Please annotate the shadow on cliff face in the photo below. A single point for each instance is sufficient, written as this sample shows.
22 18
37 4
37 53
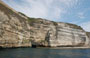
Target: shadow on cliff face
36 44
1 48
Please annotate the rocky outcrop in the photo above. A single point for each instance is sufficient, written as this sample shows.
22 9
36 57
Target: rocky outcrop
60 34
68 35
18 30
14 29
88 34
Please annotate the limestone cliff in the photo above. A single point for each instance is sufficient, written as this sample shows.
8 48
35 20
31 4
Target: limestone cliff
18 30
14 29
88 34
57 34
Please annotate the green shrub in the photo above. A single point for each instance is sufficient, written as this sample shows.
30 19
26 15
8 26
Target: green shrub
21 13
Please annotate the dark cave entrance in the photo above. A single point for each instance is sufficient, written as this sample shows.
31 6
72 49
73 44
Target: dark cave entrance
34 46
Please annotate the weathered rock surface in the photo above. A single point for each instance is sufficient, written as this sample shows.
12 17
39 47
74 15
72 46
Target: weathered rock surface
88 34
54 34
14 29
18 30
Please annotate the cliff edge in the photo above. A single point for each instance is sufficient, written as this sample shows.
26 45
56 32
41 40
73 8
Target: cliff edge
18 30
14 29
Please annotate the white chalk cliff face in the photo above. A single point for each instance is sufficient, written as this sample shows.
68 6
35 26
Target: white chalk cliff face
18 30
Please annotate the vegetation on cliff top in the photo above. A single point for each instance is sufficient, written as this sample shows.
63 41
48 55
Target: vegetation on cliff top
36 20
74 26
9 12
22 14
6 10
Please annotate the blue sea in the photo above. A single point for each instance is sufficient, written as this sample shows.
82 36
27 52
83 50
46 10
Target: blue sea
44 53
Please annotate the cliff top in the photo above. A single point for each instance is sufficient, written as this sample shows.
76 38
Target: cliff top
10 12
1 2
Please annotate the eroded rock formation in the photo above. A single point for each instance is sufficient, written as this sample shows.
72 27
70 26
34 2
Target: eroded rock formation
60 34
14 29
18 30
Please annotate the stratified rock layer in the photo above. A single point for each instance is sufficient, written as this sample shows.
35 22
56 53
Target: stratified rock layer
18 30
68 35
60 34
88 34
14 29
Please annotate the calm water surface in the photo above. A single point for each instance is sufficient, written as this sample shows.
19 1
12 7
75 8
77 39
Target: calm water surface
44 53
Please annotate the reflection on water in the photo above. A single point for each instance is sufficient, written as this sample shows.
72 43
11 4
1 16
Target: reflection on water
44 53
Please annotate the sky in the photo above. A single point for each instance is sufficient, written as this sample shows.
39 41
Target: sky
69 11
